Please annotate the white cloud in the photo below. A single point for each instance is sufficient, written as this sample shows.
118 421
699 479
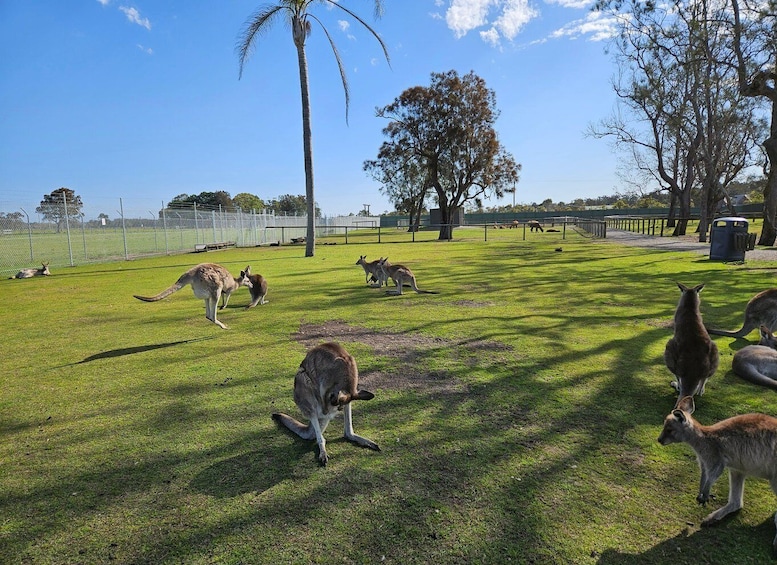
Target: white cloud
344 25
104 2
134 16
572 3
146 50
596 26
510 16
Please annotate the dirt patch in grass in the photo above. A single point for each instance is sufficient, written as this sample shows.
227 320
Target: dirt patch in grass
404 349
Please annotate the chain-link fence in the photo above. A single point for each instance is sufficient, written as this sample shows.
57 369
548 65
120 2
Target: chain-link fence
30 236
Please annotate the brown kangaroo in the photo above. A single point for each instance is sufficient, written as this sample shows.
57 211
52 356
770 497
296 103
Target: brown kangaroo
401 276
746 445
758 363
325 384
534 225
29 273
210 282
761 310
258 288
690 354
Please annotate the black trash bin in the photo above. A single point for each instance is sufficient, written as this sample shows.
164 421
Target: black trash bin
726 237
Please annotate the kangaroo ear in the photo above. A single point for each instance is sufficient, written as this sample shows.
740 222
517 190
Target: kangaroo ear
363 395
686 405
698 288
679 415
765 333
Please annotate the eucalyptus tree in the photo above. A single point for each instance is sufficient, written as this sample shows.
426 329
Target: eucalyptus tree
678 85
448 130
754 41
403 180
298 15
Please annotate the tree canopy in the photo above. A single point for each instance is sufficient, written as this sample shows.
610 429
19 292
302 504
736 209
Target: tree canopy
446 130
62 204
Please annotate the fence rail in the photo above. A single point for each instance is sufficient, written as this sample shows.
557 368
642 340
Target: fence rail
27 244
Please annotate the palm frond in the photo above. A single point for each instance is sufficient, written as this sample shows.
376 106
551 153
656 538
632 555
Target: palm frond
255 25
366 25
343 76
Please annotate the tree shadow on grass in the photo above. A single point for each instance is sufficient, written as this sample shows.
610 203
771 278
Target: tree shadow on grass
705 545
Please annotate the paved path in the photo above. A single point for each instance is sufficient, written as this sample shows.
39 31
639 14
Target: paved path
682 243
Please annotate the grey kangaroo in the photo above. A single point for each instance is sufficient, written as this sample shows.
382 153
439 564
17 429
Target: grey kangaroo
373 273
758 363
746 445
761 310
258 288
29 273
534 225
401 276
690 354
325 384
210 282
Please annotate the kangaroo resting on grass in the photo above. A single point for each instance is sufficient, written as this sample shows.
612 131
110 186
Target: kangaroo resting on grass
29 273
210 282
325 384
761 310
746 445
690 354
373 273
258 288
758 363
401 276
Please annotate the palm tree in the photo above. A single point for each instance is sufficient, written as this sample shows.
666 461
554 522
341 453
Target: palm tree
298 15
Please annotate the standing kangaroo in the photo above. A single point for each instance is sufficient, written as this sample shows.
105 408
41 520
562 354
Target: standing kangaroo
690 354
401 275
746 445
210 282
761 310
29 273
372 271
325 384
258 288
758 363
534 225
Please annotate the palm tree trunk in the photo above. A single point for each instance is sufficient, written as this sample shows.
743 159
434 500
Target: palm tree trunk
307 141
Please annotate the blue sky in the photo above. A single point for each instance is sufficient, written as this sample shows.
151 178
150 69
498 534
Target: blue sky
140 100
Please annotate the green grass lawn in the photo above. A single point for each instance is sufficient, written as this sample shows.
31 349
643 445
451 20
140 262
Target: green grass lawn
517 411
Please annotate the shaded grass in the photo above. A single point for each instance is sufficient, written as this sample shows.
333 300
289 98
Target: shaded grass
141 433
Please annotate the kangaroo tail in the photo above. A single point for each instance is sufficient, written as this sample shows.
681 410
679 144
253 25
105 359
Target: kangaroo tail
164 294
305 431
742 332
426 291
757 378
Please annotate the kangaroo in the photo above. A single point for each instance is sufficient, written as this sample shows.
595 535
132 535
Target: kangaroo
690 354
325 384
29 273
258 288
372 271
761 310
746 445
758 363
210 282
401 276
534 225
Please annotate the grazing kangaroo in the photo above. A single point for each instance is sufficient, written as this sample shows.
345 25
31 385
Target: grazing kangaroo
373 273
401 276
29 273
746 445
258 288
210 282
761 310
325 384
690 354
534 225
758 363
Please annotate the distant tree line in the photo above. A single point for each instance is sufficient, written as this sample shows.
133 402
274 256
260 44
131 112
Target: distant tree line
284 205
